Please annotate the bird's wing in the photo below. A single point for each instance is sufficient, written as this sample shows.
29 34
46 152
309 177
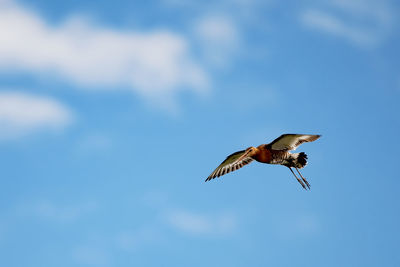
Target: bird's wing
292 141
233 162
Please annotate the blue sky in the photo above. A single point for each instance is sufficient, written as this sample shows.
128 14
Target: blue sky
112 114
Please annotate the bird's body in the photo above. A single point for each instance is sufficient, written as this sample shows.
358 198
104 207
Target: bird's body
263 155
276 152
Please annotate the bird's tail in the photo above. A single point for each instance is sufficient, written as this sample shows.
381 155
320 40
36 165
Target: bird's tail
300 159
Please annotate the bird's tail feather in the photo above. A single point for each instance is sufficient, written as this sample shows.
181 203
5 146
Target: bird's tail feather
300 160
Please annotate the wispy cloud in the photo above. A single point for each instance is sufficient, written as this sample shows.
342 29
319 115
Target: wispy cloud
221 28
135 239
94 144
200 224
244 10
364 23
91 254
54 212
22 114
154 64
331 24
219 37
295 226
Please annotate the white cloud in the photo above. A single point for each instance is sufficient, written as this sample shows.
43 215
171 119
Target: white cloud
331 24
377 10
91 254
133 240
94 144
199 224
365 23
219 37
154 64
243 10
50 211
22 113
295 226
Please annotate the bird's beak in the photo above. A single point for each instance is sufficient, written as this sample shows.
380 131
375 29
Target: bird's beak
248 153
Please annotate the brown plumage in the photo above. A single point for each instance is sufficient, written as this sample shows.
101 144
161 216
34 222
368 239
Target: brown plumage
276 152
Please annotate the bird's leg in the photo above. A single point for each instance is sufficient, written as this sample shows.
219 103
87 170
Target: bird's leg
304 179
298 179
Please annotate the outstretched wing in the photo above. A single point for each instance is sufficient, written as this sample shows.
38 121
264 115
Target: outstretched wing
233 162
292 141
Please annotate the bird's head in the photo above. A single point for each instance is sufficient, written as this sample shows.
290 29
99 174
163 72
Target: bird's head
251 151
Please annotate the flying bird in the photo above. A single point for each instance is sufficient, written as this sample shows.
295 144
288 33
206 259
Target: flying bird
276 152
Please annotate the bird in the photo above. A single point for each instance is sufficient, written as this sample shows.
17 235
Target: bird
276 152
